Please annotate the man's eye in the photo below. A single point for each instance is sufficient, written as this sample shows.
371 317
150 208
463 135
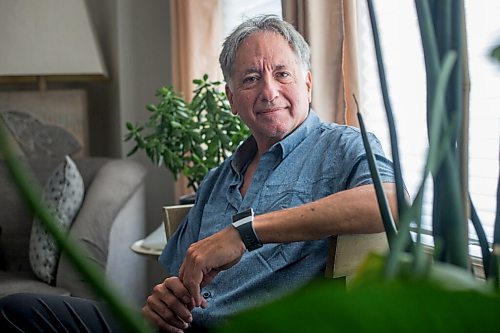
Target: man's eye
250 79
283 75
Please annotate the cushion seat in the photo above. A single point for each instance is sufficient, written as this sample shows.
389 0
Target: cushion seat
26 282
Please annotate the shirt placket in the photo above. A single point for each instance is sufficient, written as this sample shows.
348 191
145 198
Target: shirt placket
265 167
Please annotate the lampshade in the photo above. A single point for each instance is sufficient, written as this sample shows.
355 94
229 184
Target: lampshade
48 38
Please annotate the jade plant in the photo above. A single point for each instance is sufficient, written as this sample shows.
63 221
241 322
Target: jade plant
189 138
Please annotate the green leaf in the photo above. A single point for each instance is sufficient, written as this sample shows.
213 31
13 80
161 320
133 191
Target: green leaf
414 306
483 241
495 53
175 124
128 136
133 151
400 192
387 219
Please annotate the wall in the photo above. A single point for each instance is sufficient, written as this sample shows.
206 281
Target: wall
135 37
135 40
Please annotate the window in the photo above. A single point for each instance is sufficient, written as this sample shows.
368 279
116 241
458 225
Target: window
404 64
236 11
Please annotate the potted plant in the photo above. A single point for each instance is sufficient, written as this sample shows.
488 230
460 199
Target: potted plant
189 138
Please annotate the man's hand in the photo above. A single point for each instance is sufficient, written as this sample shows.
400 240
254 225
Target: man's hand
206 258
169 306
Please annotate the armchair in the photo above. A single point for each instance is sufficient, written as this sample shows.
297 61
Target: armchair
345 252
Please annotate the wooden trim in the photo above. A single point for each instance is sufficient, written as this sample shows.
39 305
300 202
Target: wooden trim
330 260
174 215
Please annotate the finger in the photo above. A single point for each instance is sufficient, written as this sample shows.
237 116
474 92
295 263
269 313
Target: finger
158 321
164 303
191 277
204 302
179 309
175 285
165 312
163 298
161 315
208 277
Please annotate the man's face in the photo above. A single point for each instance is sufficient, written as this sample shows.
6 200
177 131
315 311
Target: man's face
269 88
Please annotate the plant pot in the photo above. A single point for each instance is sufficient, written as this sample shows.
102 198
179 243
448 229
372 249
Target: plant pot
187 199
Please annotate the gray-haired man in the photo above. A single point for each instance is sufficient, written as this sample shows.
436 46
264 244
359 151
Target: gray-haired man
261 220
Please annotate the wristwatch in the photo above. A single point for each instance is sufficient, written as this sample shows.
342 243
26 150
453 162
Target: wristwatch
243 223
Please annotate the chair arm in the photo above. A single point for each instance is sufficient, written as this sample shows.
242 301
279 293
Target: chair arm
346 252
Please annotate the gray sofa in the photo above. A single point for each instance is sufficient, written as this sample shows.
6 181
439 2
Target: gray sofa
111 218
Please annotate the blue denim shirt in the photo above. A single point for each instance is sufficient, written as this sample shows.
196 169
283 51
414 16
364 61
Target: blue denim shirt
314 161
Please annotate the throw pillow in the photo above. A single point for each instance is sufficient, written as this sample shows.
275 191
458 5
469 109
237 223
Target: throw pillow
63 193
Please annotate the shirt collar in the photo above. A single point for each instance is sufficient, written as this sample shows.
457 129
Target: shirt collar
291 141
244 153
249 147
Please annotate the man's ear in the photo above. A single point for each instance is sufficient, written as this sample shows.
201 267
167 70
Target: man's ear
229 95
309 83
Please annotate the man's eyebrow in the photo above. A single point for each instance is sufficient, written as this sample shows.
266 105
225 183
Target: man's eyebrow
253 70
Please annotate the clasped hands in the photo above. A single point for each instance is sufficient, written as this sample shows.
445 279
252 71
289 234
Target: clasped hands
171 302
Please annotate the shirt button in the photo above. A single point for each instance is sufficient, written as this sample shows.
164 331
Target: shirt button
207 295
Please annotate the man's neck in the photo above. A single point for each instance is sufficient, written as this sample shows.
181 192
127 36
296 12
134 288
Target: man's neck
248 175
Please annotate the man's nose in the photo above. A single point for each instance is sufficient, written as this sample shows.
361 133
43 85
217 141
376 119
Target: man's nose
269 89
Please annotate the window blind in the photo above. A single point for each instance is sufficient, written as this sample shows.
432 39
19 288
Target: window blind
404 64
236 11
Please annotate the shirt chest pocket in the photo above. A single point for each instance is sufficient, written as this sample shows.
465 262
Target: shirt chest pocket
214 219
280 196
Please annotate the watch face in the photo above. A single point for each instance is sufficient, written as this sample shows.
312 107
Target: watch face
243 214
243 223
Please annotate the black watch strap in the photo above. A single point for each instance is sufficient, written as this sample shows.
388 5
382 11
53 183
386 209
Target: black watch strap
243 223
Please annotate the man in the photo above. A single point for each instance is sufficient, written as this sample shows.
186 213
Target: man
288 187
304 179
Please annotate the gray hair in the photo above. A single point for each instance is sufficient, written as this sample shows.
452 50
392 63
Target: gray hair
258 24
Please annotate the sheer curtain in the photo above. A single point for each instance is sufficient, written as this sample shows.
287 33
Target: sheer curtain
196 40
329 28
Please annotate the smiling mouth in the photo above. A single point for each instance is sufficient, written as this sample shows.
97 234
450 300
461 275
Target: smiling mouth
269 110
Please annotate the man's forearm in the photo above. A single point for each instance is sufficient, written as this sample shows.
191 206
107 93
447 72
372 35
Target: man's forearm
353 211
348 212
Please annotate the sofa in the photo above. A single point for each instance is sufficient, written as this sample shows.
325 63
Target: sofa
109 219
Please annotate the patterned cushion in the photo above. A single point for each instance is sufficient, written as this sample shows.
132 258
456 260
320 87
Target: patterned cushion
63 194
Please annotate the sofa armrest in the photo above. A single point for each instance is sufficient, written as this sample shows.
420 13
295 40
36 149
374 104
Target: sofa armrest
126 269
114 184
